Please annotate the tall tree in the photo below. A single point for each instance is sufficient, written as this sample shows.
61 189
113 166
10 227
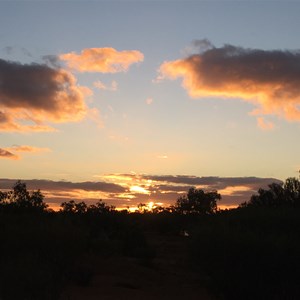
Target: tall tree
197 201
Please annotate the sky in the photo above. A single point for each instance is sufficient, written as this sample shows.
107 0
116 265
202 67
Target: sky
137 101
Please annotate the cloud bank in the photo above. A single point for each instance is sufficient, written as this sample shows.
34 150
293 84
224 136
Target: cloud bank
166 189
128 190
103 60
32 94
268 79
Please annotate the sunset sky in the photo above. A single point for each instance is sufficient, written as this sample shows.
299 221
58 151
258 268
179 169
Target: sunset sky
136 101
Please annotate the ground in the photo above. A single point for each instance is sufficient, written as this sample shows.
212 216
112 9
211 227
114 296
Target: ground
168 276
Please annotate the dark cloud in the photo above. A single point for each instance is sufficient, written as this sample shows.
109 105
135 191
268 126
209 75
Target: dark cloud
212 181
65 185
38 93
202 45
9 50
268 79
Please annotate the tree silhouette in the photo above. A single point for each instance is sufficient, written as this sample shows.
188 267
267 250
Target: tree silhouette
20 198
73 207
68 207
197 201
99 207
284 194
292 191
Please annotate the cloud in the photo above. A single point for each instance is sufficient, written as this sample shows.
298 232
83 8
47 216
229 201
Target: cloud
8 123
94 115
32 94
8 50
6 154
264 125
149 101
198 46
212 182
66 185
103 60
26 148
101 86
268 79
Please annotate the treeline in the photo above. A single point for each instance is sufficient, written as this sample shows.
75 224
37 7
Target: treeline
252 252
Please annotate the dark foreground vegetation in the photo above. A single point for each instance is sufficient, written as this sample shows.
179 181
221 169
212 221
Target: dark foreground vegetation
252 252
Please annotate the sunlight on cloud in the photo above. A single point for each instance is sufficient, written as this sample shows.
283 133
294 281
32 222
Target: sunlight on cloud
264 125
267 79
77 195
4 153
232 190
101 86
118 178
8 152
139 190
26 148
103 60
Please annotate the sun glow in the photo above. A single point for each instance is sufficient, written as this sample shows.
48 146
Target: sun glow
151 205
139 190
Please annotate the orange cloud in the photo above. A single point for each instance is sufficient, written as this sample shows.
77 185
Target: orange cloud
268 79
264 125
26 148
9 151
8 155
103 60
32 94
